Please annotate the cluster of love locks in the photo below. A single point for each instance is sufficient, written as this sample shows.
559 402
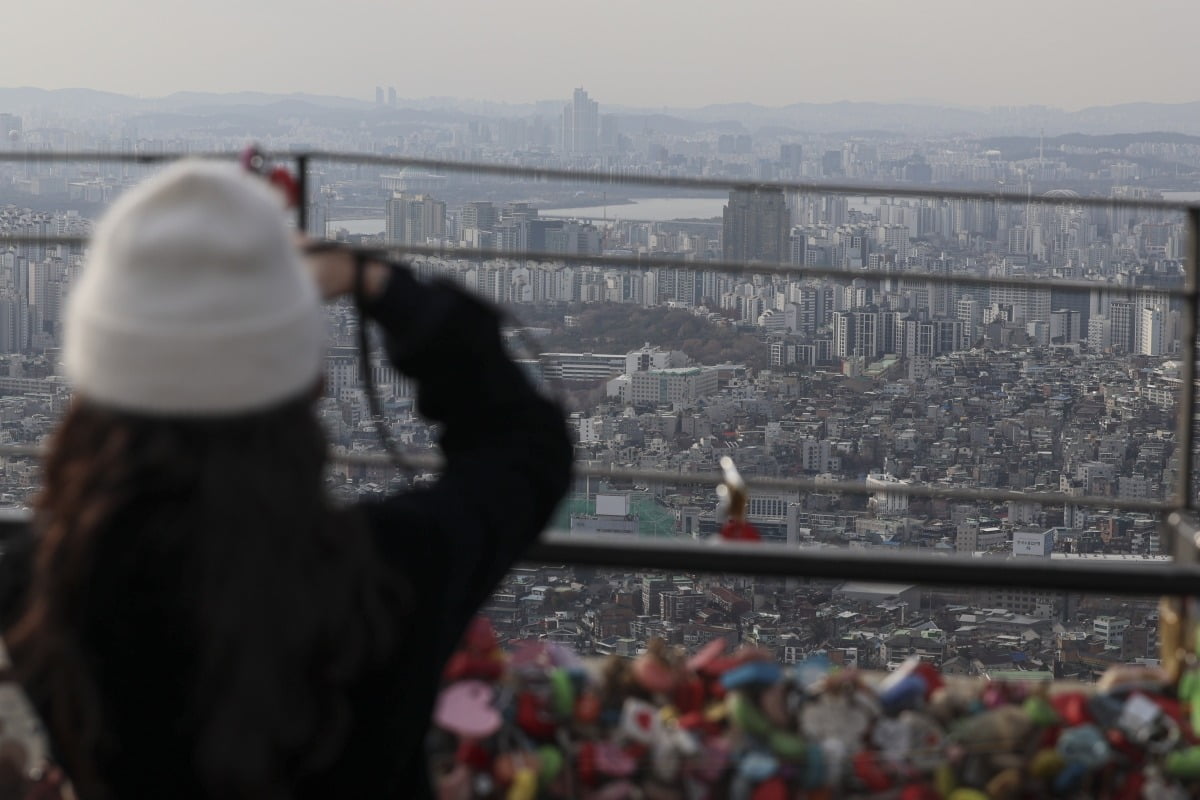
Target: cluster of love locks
538 723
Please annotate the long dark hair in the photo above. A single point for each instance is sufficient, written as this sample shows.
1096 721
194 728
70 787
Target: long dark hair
219 531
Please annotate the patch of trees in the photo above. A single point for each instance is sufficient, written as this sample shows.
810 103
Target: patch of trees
619 328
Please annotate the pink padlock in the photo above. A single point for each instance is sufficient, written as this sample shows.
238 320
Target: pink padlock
465 708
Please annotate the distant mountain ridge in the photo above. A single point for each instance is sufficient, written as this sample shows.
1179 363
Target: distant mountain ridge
801 117
182 100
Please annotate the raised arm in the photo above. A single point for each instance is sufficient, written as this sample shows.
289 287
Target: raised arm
507 452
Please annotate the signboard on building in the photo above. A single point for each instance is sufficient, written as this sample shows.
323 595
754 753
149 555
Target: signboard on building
1038 544
612 505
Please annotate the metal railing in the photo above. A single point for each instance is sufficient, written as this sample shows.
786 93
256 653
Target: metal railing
1180 577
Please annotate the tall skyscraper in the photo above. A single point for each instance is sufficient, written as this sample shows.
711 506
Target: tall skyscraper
581 124
756 226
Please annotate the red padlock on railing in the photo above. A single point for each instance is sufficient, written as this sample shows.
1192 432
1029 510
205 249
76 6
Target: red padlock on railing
253 160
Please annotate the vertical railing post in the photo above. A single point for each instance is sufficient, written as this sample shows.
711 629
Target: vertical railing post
1185 429
1177 615
302 190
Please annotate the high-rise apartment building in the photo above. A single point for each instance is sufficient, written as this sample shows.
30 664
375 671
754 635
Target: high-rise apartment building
480 215
855 333
1029 304
679 286
948 336
756 226
801 315
917 339
1121 314
581 124
894 237
1151 331
569 236
415 218
1065 325
969 312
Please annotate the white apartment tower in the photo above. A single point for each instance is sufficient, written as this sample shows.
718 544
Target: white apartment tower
581 124
1151 331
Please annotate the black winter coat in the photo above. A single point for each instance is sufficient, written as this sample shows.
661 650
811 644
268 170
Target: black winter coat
507 466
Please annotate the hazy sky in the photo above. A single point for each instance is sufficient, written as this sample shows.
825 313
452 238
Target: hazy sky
1068 53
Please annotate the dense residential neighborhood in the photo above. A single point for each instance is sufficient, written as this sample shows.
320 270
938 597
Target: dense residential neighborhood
886 375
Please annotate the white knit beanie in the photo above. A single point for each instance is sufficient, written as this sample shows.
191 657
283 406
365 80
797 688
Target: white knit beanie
194 300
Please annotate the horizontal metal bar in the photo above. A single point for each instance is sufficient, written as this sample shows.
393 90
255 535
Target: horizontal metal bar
774 560
1080 575
47 240
724 184
13 523
109 156
1185 411
855 487
744 268
661 477
602 177
728 267
419 460
433 463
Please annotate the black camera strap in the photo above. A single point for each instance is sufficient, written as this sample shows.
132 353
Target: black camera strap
364 356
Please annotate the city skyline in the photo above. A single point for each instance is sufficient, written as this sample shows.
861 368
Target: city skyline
902 346
954 328
669 54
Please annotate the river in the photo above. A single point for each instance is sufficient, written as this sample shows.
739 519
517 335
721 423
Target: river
357 227
647 209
